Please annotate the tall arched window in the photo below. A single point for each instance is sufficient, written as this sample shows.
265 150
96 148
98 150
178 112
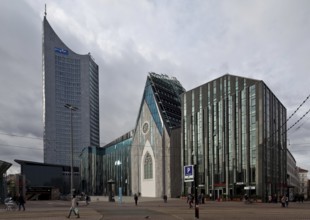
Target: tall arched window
148 167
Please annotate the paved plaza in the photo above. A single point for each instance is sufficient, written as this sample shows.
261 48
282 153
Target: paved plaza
176 209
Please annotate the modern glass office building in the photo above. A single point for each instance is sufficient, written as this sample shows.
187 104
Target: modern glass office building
106 169
116 166
68 78
234 129
91 170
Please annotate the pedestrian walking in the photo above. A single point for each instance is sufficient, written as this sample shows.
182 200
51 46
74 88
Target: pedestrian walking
165 198
275 198
286 200
283 201
269 198
87 199
199 199
191 200
74 208
136 199
21 202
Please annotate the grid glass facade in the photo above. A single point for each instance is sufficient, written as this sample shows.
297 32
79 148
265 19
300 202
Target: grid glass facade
91 171
116 166
234 129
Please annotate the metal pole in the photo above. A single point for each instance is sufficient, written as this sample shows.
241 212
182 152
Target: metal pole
118 171
72 108
212 169
196 190
71 152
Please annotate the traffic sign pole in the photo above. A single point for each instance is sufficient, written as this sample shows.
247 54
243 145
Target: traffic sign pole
196 192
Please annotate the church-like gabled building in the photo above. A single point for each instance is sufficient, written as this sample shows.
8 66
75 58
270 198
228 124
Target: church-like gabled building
155 152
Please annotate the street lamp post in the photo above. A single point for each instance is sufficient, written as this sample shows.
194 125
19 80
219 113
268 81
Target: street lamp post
72 108
118 163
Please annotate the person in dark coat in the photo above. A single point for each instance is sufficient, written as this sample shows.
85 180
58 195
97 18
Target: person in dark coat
136 199
165 198
87 199
21 202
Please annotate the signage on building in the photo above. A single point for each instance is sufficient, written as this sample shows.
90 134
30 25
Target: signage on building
189 173
249 187
61 51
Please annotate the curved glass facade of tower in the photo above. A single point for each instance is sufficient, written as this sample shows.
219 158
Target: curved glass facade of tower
68 78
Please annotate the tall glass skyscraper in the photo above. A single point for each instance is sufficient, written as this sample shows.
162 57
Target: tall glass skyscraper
68 78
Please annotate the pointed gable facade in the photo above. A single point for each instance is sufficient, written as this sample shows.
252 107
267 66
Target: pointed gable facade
155 160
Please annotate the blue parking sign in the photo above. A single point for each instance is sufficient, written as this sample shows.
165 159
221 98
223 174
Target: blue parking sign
189 173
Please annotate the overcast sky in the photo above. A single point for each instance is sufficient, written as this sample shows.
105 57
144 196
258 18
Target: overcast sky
194 40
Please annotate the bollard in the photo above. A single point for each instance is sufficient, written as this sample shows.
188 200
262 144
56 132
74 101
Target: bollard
197 211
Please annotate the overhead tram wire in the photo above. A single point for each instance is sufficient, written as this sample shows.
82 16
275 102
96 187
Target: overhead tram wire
32 148
298 107
291 117
300 117
22 136
38 138
298 120
296 129
295 113
134 155
24 147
